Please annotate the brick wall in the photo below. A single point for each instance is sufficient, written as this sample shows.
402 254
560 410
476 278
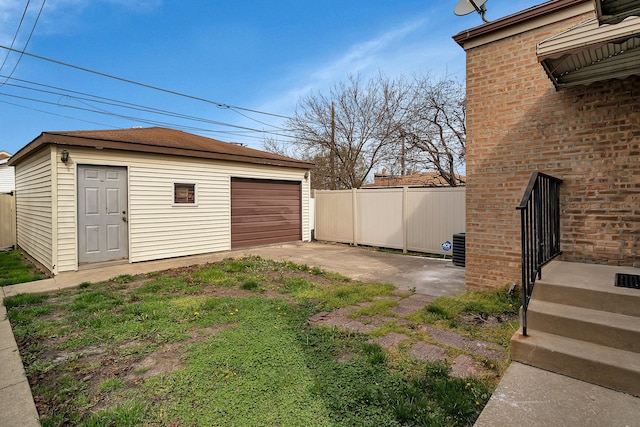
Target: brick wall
518 123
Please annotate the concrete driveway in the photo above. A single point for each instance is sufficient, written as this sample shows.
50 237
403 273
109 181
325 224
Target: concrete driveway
427 275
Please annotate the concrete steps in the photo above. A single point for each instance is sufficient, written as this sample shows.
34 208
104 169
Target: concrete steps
582 326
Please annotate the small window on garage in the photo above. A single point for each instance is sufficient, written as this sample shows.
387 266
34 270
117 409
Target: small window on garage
184 194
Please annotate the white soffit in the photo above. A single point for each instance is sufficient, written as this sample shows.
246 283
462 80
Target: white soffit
590 52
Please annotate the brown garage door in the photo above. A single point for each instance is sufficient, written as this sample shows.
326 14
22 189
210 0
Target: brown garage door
265 211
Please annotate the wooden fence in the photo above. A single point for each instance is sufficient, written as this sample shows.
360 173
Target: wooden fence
7 220
410 219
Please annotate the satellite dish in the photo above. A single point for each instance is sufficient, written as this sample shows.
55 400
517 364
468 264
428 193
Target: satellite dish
465 7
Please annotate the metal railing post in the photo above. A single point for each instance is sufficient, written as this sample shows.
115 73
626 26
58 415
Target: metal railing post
540 232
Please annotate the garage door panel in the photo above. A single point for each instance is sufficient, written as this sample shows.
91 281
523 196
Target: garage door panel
272 236
272 222
266 198
269 210
254 227
265 211
292 205
250 191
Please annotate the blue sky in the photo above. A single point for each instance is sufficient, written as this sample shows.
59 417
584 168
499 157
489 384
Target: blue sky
254 54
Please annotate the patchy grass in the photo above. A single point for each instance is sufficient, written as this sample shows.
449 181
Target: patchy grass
230 344
379 307
15 268
343 294
487 315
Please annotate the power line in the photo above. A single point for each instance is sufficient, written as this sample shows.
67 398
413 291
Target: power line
15 36
87 99
15 66
147 86
56 114
122 104
117 127
122 116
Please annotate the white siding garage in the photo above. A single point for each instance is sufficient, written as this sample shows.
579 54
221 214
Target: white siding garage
178 196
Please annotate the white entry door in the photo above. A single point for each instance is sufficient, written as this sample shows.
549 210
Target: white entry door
102 214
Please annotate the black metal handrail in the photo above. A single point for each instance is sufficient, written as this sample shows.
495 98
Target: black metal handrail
540 223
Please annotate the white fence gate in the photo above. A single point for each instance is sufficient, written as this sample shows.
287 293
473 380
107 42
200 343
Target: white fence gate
410 219
7 220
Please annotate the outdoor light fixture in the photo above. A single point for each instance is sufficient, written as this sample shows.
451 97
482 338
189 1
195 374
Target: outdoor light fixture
306 175
64 157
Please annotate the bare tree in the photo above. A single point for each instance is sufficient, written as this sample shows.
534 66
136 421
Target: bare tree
364 126
436 129
397 124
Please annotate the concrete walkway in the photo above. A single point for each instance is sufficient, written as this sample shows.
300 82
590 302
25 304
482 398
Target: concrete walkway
428 276
532 397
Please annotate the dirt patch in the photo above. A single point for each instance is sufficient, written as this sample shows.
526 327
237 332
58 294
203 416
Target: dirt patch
167 360
486 320
478 347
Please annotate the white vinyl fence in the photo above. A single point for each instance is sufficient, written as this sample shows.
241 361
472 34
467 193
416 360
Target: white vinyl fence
7 220
410 219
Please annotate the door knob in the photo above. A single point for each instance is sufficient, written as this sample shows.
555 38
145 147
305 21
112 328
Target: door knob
124 218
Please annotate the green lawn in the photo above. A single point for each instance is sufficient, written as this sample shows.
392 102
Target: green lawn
14 268
227 344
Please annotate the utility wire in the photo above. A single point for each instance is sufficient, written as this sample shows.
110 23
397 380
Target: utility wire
117 127
62 92
122 116
15 36
15 66
56 114
135 107
172 92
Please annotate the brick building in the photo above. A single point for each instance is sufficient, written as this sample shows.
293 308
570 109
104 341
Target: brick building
556 89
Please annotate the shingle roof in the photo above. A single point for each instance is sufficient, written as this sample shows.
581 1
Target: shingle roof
424 179
161 141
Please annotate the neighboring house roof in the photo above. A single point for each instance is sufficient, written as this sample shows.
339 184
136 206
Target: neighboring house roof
4 157
160 141
423 179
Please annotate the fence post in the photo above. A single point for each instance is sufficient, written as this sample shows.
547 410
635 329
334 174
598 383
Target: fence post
354 209
405 218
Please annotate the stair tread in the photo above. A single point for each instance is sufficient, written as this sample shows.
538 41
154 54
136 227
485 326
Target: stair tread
587 276
628 360
587 315
595 294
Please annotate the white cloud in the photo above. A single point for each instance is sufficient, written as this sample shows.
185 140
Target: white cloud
57 15
404 50
10 12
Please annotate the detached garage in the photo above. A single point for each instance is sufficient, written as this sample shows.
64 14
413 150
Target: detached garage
86 198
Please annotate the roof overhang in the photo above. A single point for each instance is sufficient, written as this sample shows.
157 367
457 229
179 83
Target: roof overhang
614 11
591 52
181 144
